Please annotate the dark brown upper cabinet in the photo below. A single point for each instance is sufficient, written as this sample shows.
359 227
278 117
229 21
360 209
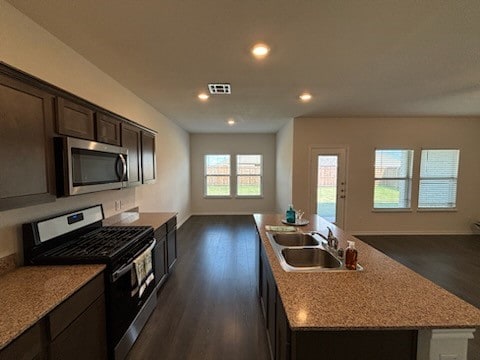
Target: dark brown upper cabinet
26 146
148 158
75 120
107 129
131 139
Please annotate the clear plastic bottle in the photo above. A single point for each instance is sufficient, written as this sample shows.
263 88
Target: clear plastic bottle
351 255
290 215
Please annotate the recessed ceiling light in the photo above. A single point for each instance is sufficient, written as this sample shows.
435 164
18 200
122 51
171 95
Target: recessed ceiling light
231 122
203 96
305 97
260 51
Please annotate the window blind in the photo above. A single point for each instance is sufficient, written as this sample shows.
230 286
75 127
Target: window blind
438 178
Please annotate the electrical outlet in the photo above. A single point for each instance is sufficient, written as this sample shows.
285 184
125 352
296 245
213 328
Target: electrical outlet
118 205
448 357
121 204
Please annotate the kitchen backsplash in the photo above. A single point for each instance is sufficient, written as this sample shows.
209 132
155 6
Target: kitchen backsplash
7 263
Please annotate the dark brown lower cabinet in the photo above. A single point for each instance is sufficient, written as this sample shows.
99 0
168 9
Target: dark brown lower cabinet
268 299
160 253
76 329
171 242
354 344
32 344
282 342
286 344
84 338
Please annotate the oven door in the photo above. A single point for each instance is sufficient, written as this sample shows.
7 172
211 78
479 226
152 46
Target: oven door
124 299
89 166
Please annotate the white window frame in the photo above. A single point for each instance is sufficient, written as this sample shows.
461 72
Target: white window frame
408 180
420 178
206 176
240 175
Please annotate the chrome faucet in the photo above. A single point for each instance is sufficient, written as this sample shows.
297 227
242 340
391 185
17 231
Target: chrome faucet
332 241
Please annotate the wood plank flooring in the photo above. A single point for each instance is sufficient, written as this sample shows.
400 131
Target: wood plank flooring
452 262
208 308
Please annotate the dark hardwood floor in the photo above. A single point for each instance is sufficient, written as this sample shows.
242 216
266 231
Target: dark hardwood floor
452 262
208 308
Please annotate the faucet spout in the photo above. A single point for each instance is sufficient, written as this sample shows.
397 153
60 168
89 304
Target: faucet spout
332 241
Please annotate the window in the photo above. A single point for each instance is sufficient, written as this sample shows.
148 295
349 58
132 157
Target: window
393 178
438 179
217 175
249 175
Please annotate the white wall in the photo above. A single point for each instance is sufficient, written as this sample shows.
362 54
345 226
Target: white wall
203 144
361 136
30 48
284 156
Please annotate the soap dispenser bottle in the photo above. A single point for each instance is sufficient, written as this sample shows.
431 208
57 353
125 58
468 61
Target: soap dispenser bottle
351 256
290 215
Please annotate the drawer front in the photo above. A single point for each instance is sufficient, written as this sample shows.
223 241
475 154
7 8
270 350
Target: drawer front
172 224
61 317
161 232
30 345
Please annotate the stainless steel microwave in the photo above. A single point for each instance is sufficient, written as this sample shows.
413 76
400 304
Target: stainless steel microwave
84 166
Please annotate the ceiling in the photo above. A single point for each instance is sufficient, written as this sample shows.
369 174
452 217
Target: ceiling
356 57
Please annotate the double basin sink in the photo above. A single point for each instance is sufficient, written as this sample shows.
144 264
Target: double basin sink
305 252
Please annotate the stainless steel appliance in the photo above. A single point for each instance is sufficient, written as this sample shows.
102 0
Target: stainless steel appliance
84 166
78 237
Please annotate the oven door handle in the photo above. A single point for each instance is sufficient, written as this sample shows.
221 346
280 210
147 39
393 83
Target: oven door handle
122 271
126 268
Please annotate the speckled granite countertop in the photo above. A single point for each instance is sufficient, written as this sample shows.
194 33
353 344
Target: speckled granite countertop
29 293
386 295
139 219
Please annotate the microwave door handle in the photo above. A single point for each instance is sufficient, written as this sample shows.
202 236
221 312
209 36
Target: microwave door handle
124 167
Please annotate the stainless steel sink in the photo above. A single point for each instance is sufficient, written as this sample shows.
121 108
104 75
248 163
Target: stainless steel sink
310 257
295 239
306 252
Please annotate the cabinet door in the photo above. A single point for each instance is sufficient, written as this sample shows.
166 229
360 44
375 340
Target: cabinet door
85 338
171 243
282 337
32 344
131 140
160 254
263 288
107 129
74 120
148 158
271 311
26 146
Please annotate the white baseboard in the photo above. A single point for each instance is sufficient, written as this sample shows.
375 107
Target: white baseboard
182 221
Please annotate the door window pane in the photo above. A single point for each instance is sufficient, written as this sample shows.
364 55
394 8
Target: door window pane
327 187
393 178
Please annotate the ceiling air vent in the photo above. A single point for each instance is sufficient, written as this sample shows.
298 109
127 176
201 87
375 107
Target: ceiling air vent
219 89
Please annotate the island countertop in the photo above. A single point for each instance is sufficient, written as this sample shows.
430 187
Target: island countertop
385 295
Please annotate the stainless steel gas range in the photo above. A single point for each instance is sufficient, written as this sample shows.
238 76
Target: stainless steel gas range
78 237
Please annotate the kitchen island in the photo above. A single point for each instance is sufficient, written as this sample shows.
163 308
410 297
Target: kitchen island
384 309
